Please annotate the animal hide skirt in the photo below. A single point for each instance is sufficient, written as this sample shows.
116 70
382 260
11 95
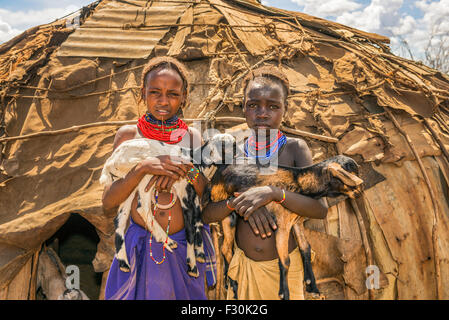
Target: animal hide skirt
167 281
259 280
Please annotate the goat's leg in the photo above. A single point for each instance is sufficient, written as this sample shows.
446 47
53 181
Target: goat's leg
305 250
188 211
219 193
198 243
228 281
234 286
284 293
120 222
215 232
228 225
198 239
285 221
281 236
192 268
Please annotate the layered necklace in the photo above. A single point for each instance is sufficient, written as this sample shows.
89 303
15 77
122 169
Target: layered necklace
264 149
155 199
170 131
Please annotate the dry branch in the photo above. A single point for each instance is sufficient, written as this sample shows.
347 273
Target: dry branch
124 122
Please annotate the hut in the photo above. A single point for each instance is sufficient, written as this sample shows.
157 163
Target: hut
67 86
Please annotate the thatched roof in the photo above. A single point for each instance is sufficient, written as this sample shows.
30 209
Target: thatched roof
65 91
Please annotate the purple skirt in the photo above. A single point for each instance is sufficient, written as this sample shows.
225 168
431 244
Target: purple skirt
167 281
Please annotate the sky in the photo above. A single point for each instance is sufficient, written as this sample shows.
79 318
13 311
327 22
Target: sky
412 21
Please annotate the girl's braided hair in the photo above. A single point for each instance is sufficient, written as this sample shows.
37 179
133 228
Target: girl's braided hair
165 62
268 72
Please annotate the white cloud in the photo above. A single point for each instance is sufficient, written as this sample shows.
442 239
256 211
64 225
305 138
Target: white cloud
406 25
327 8
30 18
6 32
13 23
380 16
433 21
385 17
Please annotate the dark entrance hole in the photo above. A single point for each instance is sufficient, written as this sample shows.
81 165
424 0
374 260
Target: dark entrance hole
76 244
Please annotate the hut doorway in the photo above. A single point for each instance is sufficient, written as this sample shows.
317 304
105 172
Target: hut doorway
76 244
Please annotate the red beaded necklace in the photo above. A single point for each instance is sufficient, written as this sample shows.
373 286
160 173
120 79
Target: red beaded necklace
252 148
263 144
170 131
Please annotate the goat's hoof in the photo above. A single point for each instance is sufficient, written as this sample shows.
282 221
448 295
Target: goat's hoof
172 245
123 266
200 257
284 295
193 272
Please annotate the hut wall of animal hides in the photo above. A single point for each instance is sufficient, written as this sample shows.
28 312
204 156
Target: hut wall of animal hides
65 92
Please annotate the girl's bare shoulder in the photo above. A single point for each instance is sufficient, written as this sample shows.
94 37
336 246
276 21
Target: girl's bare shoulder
126 132
299 149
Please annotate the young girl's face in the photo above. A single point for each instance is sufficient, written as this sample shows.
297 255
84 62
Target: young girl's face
163 93
264 105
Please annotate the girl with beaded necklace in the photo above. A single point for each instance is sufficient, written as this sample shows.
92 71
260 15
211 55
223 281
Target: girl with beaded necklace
254 265
155 273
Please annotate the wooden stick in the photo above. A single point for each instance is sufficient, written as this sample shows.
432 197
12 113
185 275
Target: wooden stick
436 250
365 240
436 137
33 278
309 135
66 130
331 279
441 122
120 123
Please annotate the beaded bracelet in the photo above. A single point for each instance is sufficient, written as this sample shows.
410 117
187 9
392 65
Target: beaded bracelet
229 207
283 197
192 180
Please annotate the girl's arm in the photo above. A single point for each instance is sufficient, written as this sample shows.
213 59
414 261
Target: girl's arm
215 211
254 198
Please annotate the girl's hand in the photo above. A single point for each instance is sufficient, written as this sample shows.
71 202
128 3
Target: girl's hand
262 222
249 201
161 183
173 167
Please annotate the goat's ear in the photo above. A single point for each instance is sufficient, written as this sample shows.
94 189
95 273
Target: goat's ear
347 178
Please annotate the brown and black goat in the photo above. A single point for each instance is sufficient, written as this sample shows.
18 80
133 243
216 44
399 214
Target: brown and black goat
330 178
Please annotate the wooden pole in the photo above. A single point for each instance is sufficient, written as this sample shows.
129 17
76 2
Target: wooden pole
436 250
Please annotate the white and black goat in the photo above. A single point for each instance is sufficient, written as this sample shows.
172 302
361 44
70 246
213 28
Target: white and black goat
123 159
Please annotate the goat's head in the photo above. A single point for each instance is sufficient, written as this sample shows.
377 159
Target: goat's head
220 149
343 177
